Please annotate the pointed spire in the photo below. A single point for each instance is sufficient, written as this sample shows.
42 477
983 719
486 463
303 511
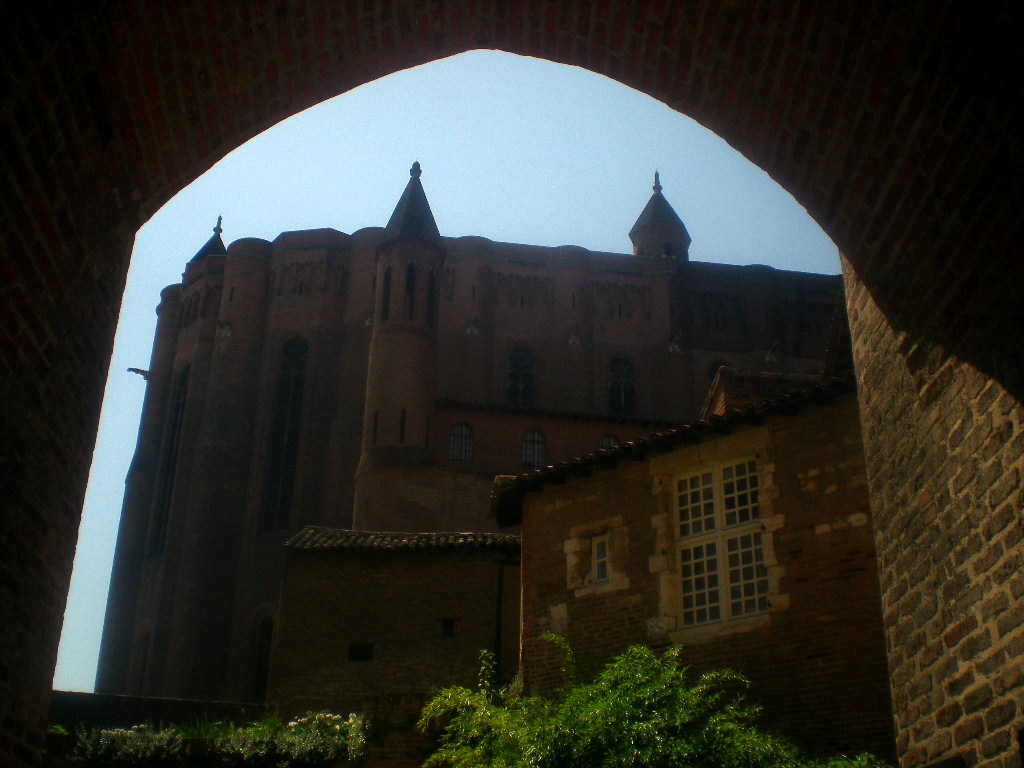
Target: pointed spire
214 246
659 231
412 219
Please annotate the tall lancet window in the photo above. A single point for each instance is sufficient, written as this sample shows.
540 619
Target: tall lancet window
431 298
169 462
284 437
410 291
621 387
385 294
520 377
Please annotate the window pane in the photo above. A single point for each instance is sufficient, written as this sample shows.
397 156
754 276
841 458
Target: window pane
696 504
748 578
740 493
698 573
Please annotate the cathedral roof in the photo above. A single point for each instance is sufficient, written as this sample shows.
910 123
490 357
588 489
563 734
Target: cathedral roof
214 246
658 211
318 539
412 219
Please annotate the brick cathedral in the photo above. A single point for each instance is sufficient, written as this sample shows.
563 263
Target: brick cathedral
378 382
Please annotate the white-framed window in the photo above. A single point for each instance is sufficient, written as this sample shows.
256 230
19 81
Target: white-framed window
721 560
599 557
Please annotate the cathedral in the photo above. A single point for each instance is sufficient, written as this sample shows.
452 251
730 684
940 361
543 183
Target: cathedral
327 386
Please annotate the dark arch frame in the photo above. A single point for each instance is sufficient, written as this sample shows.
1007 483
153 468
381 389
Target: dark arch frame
870 114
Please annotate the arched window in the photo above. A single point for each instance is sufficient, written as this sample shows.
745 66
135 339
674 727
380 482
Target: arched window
621 387
385 294
410 290
169 465
262 643
284 437
460 448
608 441
535 449
520 377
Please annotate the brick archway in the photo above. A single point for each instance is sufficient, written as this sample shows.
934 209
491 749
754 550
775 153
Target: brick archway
897 129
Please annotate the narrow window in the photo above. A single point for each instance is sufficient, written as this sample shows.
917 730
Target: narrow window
401 427
447 627
410 290
432 298
621 387
460 447
231 294
284 437
373 437
520 389
169 465
385 294
261 659
360 651
599 557
534 449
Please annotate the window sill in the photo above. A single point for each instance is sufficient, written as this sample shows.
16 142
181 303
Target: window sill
702 633
602 587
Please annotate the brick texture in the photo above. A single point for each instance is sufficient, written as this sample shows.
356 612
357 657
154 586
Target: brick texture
895 125
816 660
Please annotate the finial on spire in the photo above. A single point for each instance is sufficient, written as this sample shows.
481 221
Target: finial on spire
657 182
218 229
415 171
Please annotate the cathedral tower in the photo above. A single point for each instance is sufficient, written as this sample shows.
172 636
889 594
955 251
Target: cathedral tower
401 379
659 232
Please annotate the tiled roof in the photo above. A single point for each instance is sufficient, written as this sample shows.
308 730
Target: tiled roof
735 389
510 490
313 538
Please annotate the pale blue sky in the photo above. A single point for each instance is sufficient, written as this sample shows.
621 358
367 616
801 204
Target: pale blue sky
512 148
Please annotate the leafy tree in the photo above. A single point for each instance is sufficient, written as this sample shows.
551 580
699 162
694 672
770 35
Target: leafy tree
643 710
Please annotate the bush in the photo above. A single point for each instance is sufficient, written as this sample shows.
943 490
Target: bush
642 710
315 739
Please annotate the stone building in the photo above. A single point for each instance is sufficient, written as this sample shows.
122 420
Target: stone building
745 537
379 381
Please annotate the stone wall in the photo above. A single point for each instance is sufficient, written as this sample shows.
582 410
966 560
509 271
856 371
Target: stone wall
945 454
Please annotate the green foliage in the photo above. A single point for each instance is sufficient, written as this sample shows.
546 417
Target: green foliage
642 710
317 738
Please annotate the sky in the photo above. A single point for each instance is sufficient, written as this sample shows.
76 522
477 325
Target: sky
512 148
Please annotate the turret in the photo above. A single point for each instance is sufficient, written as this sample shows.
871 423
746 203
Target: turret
659 232
401 380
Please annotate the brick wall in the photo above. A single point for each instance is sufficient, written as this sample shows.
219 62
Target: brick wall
396 602
944 450
816 660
